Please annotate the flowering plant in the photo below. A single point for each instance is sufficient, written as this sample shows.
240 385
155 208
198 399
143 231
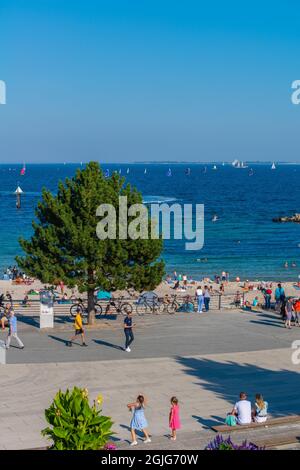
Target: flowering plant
110 446
76 425
219 443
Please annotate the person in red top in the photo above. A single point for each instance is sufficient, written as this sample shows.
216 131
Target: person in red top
297 311
267 295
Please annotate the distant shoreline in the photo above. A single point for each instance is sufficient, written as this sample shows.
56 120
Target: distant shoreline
152 162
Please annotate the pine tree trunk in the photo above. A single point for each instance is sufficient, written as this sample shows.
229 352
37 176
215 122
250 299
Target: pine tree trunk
91 306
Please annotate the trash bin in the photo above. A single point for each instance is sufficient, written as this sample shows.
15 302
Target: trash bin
46 309
2 352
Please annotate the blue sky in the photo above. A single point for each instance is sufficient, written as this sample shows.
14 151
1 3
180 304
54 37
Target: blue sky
149 80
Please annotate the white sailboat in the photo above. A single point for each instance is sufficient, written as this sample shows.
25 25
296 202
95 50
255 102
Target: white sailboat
273 167
145 171
214 167
238 164
127 171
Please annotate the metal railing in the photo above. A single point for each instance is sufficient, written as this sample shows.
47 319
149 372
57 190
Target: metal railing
217 302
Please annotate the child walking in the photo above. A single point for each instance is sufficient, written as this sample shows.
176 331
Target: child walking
78 329
174 419
138 421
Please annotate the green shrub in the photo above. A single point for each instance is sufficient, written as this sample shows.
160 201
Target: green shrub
74 424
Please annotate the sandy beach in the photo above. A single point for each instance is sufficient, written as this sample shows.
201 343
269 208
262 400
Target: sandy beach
18 291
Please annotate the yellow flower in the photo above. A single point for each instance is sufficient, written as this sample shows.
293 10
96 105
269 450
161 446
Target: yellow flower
85 393
99 399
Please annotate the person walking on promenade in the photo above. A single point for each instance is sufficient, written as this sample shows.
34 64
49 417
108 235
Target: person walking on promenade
128 325
267 295
206 298
174 419
199 297
279 297
5 316
288 313
78 329
297 311
138 421
13 333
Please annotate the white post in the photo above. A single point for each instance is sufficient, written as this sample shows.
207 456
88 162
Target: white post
2 352
46 310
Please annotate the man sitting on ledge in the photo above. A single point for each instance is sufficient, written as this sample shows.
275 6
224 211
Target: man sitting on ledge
241 412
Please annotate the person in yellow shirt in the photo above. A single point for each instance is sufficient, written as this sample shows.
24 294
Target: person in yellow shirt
78 329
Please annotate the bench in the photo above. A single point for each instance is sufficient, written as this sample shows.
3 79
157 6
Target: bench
270 422
278 441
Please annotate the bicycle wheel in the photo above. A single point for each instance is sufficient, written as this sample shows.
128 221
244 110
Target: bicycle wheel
74 308
98 309
173 307
140 309
126 308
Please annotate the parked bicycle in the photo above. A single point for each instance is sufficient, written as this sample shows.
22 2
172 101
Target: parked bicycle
2 304
118 306
171 305
80 304
149 302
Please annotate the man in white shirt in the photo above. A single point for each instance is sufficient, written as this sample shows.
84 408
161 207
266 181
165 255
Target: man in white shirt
242 410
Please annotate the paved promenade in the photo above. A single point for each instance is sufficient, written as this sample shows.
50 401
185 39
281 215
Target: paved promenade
156 336
171 356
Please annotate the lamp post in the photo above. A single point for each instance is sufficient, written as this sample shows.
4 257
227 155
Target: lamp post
18 193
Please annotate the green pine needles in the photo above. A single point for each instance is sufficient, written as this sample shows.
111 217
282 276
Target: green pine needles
64 245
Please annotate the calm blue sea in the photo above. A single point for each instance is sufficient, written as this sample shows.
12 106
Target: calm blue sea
244 241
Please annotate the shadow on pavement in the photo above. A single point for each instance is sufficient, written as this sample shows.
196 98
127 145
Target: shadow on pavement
227 379
109 345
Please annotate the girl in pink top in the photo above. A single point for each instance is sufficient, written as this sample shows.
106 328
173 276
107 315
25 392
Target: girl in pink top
174 420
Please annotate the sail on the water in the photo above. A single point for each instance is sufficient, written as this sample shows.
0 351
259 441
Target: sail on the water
145 171
106 174
169 172
273 167
238 164
127 171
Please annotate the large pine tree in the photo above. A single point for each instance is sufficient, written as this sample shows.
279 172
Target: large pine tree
64 245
